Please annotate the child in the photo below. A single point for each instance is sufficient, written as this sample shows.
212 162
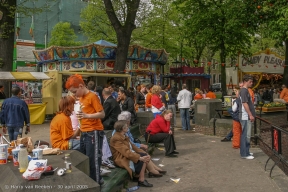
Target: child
237 130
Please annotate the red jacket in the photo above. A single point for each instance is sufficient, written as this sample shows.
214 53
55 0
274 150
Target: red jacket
158 125
156 101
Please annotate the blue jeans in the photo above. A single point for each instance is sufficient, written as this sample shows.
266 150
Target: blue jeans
230 135
245 138
13 133
185 118
157 113
87 147
74 144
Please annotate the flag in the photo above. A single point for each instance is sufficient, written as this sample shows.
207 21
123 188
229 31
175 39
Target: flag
31 30
17 26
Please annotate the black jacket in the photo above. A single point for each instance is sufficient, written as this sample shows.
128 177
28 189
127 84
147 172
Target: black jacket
128 105
140 99
112 110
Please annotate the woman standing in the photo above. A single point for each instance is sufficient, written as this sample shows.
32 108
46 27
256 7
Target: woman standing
140 98
156 102
159 130
127 104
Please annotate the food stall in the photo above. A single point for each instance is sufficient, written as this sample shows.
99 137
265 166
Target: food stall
37 108
96 62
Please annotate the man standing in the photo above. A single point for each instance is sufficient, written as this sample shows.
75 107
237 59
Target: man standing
164 94
14 113
111 109
2 94
90 116
184 99
246 116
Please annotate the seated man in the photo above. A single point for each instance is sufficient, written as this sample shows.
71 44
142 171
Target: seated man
111 109
61 131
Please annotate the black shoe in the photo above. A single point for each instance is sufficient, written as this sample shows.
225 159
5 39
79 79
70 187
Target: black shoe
162 172
175 152
135 179
171 155
144 184
225 140
154 175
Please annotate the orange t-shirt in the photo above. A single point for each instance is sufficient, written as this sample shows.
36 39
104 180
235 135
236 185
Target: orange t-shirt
284 94
211 95
61 131
91 104
148 100
251 94
198 96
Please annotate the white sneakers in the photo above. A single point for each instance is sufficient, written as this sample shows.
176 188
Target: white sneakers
250 157
108 164
104 172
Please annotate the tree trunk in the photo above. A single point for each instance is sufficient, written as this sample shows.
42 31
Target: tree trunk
122 50
285 74
7 24
223 71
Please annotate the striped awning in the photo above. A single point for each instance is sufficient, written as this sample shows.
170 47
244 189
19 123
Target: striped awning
10 76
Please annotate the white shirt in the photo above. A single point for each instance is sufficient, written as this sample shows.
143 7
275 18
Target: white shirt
184 99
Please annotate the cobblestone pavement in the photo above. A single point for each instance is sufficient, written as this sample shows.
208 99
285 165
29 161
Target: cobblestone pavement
206 164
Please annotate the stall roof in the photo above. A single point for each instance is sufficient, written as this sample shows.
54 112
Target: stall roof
12 76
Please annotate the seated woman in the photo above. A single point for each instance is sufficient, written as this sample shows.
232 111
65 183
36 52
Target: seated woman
61 131
127 155
154 171
159 130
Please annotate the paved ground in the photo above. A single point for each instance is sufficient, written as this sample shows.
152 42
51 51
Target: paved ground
206 164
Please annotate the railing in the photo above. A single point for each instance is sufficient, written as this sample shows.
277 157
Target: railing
276 142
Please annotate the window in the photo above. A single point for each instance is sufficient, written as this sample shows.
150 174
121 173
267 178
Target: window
219 78
193 83
214 78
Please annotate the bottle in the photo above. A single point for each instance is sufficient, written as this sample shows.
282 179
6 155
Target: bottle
67 162
23 159
133 188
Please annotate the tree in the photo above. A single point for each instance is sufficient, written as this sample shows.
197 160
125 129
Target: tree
225 25
275 15
123 26
96 24
63 35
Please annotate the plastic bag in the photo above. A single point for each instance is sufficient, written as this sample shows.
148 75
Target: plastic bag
35 169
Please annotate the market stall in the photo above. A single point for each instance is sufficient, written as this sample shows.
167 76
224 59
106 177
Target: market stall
37 107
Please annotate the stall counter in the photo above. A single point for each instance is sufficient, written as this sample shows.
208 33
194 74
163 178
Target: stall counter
37 113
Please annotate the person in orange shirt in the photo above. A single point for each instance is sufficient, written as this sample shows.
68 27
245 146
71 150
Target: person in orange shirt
251 93
91 127
284 93
61 131
198 94
210 94
148 104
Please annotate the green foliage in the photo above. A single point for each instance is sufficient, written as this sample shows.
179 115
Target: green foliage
96 24
63 35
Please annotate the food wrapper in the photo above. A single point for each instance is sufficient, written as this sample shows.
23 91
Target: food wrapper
78 107
49 151
27 141
35 169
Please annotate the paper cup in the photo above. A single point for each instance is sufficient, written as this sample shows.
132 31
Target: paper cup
15 153
3 153
37 153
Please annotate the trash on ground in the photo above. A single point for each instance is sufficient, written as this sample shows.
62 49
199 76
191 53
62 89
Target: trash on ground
161 149
161 165
175 180
155 159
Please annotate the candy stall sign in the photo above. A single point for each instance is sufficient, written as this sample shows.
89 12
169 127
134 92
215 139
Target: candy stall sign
264 61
